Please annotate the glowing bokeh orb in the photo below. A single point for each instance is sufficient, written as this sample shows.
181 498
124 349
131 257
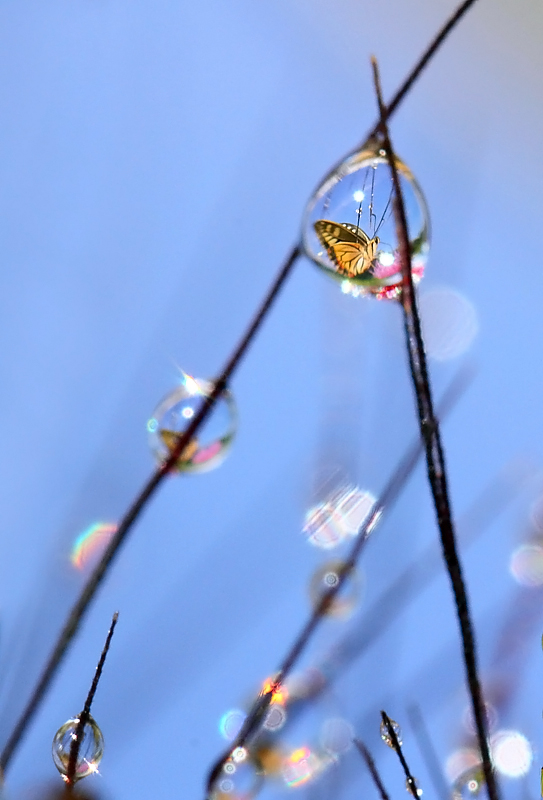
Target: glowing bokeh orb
336 736
526 565
174 413
91 748
349 229
300 767
340 516
449 323
230 724
511 753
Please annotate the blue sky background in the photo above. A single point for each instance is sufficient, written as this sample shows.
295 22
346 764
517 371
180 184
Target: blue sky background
155 161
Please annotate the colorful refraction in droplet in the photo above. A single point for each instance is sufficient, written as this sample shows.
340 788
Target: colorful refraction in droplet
512 753
171 417
300 767
327 577
526 565
385 735
90 752
91 543
349 228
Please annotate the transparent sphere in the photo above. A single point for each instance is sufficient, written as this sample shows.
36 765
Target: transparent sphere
349 228
172 416
385 735
91 748
328 576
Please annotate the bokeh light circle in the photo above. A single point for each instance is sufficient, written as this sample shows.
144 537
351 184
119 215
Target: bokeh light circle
511 753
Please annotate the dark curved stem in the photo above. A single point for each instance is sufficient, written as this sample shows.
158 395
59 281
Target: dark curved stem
132 515
435 458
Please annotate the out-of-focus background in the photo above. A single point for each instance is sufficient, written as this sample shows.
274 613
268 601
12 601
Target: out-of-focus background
155 161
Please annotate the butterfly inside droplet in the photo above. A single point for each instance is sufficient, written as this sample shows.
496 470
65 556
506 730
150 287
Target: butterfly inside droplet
348 246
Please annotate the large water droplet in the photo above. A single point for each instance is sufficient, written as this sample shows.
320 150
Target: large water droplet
349 228
173 415
91 748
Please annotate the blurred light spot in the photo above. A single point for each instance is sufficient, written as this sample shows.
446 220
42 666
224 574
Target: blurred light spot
328 577
239 754
413 782
279 692
526 565
152 425
337 736
386 259
300 767
92 542
339 516
491 718
511 753
358 196
449 322
276 717
323 527
230 724
306 684
460 762
188 412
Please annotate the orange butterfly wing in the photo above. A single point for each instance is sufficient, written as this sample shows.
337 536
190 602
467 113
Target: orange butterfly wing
349 247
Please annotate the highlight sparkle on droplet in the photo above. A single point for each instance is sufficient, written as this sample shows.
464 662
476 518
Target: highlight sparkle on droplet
208 448
90 752
385 735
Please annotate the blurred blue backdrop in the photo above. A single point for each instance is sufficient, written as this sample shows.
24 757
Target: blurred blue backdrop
155 160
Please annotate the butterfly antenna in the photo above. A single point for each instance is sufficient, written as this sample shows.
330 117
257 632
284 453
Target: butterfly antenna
384 214
372 214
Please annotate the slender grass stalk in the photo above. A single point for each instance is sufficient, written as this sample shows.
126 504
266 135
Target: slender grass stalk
82 604
85 714
429 428
411 782
389 495
370 763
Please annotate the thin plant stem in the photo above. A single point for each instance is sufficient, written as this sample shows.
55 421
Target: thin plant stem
89 590
85 714
370 763
389 495
435 459
428 752
411 782
125 526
